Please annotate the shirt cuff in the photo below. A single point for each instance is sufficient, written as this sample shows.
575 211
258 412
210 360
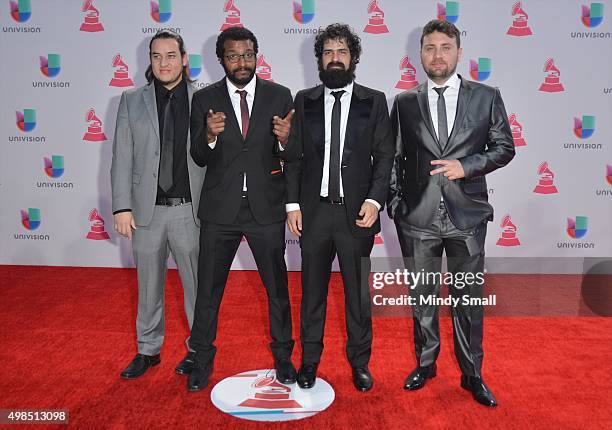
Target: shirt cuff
280 146
290 207
212 144
374 202
122 210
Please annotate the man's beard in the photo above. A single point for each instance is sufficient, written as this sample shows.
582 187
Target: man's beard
240 81
337 78
442 74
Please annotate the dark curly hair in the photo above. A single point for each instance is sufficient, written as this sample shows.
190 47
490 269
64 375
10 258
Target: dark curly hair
338 31
445 27
167 34
235 33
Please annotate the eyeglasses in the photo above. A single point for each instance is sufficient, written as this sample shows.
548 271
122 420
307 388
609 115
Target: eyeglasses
247 57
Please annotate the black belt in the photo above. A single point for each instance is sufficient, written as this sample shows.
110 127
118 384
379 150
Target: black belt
171 201
332 202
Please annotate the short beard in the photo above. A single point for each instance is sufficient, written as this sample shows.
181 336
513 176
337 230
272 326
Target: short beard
242 81
445 76
336 78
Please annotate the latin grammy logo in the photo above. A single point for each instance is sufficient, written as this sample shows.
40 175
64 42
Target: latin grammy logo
519 27
91 22
263 70
552 82
121 77
508 236
378 240
545 184
376 22
517 131
94 129
407 79
96 229
268 393
232 15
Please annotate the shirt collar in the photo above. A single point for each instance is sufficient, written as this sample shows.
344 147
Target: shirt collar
452 82
348 89
249 88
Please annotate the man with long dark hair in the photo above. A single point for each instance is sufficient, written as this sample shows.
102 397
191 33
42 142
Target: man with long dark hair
450 133
238 124
156 188
339 155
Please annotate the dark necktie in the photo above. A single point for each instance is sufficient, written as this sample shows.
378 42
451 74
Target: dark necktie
442 122
333 187
167 153
244 112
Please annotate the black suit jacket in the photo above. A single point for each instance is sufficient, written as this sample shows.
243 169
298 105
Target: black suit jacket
234 156
366 159
480 139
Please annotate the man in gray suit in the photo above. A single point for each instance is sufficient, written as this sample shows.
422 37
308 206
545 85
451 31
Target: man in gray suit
156 190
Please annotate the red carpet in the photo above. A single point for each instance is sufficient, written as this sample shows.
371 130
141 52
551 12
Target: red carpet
66 333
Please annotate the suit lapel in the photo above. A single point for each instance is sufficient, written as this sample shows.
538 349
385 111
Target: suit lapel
463 101
148 95
359 115
314 112
423 99
261 93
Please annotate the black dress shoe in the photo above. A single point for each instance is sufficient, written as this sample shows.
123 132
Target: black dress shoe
479 390
417 379
198 378
186 364
362 379
285 372
307 376
139 365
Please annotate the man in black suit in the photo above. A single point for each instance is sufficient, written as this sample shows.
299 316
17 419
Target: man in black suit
237 126
450 133
340 154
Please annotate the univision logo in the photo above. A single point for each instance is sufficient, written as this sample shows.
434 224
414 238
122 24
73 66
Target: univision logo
161 10
21 11
448 11
608 176
30 220
54 168
50 66
577 228
592 16
480 69
195 65
304 12
26 122
584 128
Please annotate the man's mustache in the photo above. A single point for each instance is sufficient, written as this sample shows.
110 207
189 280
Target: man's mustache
336 64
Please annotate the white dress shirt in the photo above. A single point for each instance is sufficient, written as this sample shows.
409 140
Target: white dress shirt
235 99
451 94
345 105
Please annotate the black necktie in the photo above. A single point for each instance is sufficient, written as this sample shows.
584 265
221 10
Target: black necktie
167 152
333 188
442 123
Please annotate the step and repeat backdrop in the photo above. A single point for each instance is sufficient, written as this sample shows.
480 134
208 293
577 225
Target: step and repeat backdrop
65 64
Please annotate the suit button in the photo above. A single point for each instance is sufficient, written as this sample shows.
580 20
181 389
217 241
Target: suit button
244 150
155 175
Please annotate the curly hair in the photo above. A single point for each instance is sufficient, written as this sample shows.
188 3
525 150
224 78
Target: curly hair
234 33
338 31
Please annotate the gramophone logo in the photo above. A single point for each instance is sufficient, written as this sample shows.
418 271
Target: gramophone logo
546 182
448 11
552 81
54 166
161 10
517 131
592 16
50 65
21 10
96 226
263 70
376 21
232 15
408 77
30 219
121 76
378 239
258 396
519 26
26 120
584 127
91 21
508 235
480 69
577 227
304 11
194 62
94 128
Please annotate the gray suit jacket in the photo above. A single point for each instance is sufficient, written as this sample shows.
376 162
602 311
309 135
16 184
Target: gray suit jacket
136 150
